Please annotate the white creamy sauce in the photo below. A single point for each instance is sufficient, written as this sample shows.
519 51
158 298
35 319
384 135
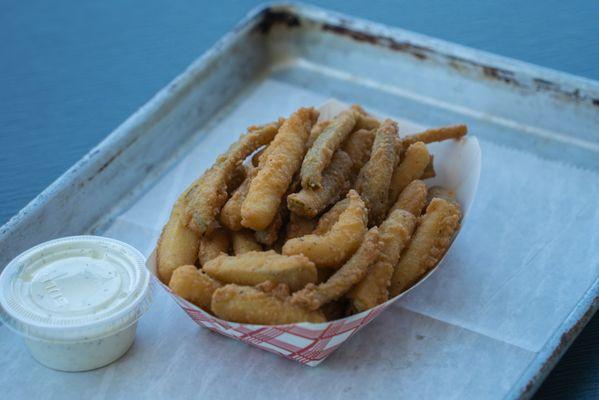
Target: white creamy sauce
76 300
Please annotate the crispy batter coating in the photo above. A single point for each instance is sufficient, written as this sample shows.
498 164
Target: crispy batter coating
299 226
269 235
178 245
310 202
213 244
328 219
412 198
256 267
395 233
411 167
353 271
245 304
244 242
430 241
435 135
230 215
321 152
429 171
358 146
375 177
317 129
208 193
279 290
332 249
364 120
285 155
193 285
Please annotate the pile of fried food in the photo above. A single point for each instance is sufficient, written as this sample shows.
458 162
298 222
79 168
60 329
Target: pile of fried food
325 218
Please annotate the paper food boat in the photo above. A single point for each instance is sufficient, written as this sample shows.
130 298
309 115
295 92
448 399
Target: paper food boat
457 164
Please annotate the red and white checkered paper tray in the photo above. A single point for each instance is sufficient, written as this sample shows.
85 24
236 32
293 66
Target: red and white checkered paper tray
457 164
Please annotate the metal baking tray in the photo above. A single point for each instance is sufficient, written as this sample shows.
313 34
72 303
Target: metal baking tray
521 284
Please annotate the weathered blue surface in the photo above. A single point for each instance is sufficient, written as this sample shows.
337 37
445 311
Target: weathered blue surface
71 72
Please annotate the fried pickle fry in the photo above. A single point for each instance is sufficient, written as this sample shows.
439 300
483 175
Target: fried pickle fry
213 244
245 304
412 199
410 168
285 155
208 193
230 215
328 219
435 135
244 242
364 120
317 129
358 146
395 233
178 245
430 241
299 226
256 267
310 202
353 271
332 249
193 285
270 234
375 177
237 178
321 152
429 172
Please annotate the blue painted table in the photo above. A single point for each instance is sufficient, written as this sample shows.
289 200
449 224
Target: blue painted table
70 72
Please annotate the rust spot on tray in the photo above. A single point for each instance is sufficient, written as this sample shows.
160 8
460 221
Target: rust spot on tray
419 52
271 17
565 341
500 75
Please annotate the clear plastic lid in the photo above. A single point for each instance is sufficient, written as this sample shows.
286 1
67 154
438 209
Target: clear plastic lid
74 288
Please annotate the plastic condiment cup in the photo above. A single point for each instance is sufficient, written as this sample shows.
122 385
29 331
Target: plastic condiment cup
76 300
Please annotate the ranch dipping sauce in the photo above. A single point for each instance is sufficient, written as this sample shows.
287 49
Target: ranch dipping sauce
76 300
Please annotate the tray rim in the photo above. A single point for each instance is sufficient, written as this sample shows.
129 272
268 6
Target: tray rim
564 335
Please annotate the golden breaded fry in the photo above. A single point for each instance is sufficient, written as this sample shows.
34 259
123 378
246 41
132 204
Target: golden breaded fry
375 177
412 199
285 155
193 285
317 129
364 120
330 218
395 233
245 304
435 135
208 193
258 266
230 215
213 244
332 249
237 178
442 193
353 271
299 226
321 152
358 146
178 245
244 242
429 171
430 241
310 202
411 167
269 235
279 290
